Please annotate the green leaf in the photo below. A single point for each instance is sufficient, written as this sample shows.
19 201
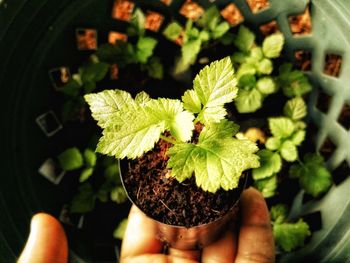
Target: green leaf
298 137
273 143
142 98
289 236
278 213
94 72
227 39
238 58
245 39
267 186
270 163
248 101
210 18
85 174
72 88
204 36
215 85
121 54
70 159
266 85
118 233
220 30
137 23
191 101
118 195
144 48
90 157
247 82
281 127
295 108
143 128
294 83
265 66
173 31
289 151
256 54
313 176
272 45
189 53
246 69
154 68
217 161
84 200
106 106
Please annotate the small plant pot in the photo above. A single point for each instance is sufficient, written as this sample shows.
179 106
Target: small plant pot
194 237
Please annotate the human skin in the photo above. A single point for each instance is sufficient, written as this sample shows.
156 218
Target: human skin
253 242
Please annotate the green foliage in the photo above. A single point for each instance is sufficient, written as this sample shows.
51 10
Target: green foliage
270 163
245 39
313 175
133 126
272 45
289 236
84 201
267 186
70 159
293 82
90 157
295 108
217 160
278 213
173 30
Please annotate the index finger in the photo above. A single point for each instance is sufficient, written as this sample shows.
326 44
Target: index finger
255 241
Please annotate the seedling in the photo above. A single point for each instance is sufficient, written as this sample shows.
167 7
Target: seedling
133 126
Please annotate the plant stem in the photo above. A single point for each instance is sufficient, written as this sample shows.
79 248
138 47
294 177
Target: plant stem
167 139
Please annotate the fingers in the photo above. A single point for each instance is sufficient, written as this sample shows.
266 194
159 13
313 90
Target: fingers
193 255
221 251
47 241
140 236
256 243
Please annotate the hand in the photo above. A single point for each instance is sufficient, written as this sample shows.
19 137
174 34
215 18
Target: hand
253 243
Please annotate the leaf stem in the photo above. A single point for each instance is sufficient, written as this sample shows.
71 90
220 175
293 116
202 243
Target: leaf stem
167 139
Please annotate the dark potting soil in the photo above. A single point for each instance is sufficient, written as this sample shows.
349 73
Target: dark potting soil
162 197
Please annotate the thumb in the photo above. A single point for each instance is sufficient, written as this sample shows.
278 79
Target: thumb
47 242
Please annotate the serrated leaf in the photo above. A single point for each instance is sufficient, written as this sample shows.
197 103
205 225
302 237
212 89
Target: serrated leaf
85 174
248 101
273 143
215 85
118 195
144 48
298 137
137 23
217 162
295 108
265 66
90 157
144 127
223 129
313 176
106 106
142 98
118 233
84 200
70 159
289 236
267 186
191 101
266 85
244 40
289 151
281 127
270 163
272 45
294 84
278 213
256 53
173 31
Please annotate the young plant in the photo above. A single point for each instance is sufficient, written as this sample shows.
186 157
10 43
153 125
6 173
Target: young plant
255 67
131 127
288 235
210 27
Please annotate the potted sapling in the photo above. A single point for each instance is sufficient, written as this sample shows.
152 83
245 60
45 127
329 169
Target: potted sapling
184 166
